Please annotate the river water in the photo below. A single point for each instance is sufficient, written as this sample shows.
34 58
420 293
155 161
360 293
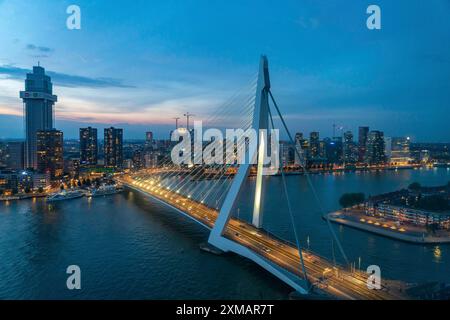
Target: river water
129 247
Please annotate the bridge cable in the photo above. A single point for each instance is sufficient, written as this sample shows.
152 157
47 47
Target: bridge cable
341 249
291 215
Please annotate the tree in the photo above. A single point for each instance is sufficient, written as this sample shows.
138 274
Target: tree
433 203
40 189
351 199
415 186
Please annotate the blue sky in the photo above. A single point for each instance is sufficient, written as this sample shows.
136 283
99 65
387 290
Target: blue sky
137 64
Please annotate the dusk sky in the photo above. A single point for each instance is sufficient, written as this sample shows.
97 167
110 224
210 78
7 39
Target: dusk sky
137 64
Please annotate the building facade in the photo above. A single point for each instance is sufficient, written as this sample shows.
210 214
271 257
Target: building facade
350 154
375 148
38 101
400 151
88 146
409 215
15 155
50 152
113 147
363 136
314 145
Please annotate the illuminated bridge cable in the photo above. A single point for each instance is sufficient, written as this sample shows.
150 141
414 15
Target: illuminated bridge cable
341 249
291 215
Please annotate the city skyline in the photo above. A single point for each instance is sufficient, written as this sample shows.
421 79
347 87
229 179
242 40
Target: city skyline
166 70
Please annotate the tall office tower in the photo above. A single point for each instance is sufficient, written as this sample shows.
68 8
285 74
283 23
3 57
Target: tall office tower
138 159
113 146
400 151
333 150
148 141
88 146
15 155
375 148
149 136
314 145
362 143
50 152
299 160
38 101
349 148
388 149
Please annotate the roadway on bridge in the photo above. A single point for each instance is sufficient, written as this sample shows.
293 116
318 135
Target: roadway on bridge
331 279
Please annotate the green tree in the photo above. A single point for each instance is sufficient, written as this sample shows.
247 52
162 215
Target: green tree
40 189
351 199
415 186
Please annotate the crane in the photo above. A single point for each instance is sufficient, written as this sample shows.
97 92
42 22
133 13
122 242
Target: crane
188 116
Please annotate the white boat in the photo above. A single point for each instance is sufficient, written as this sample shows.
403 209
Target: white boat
64 195
104 191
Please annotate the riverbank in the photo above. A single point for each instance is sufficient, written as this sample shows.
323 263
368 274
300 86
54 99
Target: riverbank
22 196
387 229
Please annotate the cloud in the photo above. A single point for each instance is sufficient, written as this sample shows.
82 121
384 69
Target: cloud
65 80
33 47
308 23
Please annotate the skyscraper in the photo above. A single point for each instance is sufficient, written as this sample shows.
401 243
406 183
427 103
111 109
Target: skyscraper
333 150
88 146
349 148
362 143
299 155
113 146
38 100
149 136
148 141
314 145
15 155
375 148
50 152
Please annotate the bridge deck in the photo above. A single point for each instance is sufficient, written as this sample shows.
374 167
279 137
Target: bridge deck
327 277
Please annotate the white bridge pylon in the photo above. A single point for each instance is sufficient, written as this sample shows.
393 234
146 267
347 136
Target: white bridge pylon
216 238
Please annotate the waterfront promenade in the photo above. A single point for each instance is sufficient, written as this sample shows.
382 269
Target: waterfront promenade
390 229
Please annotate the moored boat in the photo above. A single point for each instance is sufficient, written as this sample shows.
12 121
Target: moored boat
64 195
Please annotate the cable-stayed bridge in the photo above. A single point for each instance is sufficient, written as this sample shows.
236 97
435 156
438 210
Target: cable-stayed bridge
208 191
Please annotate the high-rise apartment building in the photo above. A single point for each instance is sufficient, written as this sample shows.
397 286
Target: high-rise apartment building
88 146
15 155
363 136
113 147
349 148
314 145
375 148
49 146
